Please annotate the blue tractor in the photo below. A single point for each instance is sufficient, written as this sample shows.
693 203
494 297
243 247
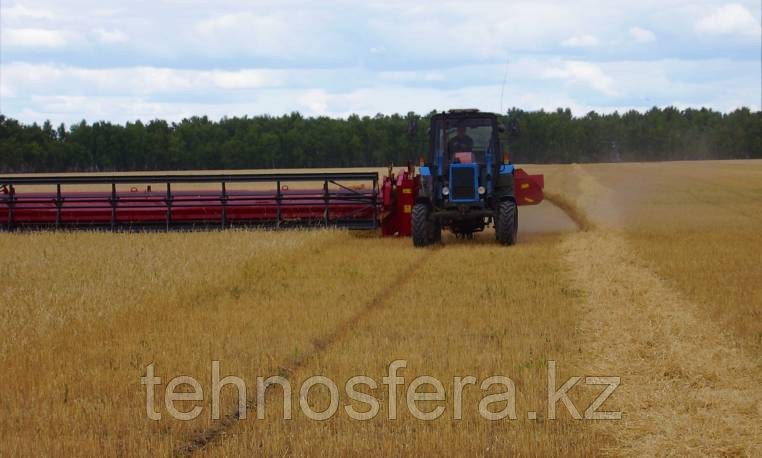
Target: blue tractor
466 182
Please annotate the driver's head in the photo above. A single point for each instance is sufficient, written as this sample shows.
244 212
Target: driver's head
461 131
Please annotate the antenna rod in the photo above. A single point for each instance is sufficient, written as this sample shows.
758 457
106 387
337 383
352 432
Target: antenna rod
502 89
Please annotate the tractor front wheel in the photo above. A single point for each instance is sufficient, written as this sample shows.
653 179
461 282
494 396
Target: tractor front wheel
424 230
506 223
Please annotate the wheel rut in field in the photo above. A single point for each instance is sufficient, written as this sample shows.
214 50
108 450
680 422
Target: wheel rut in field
207 437
685 387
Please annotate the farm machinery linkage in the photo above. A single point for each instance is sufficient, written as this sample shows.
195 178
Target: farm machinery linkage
460 190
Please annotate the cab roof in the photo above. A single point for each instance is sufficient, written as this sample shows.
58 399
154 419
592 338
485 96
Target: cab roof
460 113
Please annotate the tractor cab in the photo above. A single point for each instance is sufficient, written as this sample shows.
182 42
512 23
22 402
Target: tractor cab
463 138
463 151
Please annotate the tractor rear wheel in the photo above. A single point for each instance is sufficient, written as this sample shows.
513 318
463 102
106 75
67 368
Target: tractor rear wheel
422 230
506 223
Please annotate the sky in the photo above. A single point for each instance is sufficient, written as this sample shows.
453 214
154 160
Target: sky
70 60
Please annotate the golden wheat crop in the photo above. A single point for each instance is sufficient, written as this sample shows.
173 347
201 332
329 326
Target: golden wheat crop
660 289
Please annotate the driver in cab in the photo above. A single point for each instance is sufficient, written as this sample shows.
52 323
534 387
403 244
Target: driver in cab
461 147
461 142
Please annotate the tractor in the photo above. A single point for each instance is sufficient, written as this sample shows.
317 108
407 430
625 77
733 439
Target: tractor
466 182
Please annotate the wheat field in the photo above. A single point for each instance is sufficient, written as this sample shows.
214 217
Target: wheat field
645 272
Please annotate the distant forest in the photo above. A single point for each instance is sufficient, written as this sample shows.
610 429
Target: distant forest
297 141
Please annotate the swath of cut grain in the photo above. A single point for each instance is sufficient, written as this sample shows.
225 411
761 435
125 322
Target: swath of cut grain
682 376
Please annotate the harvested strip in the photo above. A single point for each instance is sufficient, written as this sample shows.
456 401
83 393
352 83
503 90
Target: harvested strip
685 388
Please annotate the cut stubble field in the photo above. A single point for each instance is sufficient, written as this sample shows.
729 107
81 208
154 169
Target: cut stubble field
657 283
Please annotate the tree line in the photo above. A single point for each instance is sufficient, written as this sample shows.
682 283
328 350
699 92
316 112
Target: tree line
295 141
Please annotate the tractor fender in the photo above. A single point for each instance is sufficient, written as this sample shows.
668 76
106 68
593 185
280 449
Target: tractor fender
505 188
426 200
426 186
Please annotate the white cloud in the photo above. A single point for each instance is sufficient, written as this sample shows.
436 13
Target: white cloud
5 91
580 41
474 30
585 73
246 79
412 76
19 11
641 35
728 20
110 36
47 78
72 109
32 37
337 57
316 101
285 34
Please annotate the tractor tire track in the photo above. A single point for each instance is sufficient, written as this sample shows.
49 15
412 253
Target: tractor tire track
208 293
686 389
207 437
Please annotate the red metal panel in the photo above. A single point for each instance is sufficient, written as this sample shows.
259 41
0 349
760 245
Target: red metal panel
388 215
528 188
399 196
407 191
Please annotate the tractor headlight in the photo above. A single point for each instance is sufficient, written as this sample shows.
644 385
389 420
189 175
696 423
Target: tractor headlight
445 191
482 190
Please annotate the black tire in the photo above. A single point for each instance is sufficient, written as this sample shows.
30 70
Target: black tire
506 223
435 232
421 226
